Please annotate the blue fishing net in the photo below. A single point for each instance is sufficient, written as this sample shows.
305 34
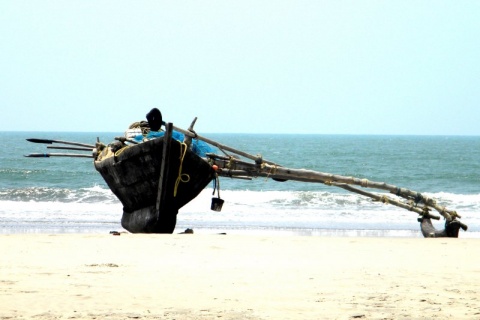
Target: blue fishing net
199 147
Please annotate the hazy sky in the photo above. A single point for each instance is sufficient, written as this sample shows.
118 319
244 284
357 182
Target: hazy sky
330 67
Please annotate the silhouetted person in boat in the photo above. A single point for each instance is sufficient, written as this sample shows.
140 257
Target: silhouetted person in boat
154 118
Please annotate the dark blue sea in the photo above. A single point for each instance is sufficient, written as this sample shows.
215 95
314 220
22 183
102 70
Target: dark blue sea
67 195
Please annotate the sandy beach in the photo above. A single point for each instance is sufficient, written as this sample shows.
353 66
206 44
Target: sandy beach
196 276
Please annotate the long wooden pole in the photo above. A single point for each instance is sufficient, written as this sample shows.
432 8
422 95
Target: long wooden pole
387 200
232 167
191 134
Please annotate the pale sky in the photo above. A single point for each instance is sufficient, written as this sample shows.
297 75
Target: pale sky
327 67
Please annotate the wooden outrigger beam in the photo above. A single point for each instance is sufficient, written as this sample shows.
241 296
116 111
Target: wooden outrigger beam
232 167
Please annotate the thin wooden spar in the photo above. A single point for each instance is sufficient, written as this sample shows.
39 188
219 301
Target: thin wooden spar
192 134
70 148
48 155
50 141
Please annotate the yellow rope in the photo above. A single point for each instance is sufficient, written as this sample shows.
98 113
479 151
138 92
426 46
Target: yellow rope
182 177
230 164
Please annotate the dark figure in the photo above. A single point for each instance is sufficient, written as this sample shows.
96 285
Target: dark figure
154 118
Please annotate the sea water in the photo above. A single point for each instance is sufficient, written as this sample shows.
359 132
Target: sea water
67 195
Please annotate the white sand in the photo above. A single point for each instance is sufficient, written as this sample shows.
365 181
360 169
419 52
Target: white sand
237 277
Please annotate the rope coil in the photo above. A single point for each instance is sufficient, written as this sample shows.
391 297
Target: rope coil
119 152
182 177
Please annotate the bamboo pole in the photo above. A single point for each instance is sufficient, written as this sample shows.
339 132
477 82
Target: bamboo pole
257 159
365 183
388 200
233 167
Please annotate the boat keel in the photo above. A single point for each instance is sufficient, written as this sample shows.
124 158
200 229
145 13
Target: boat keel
145 220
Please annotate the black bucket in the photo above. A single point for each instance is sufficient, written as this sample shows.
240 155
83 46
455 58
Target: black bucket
217 204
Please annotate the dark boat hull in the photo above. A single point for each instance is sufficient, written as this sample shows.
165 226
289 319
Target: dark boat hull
133 176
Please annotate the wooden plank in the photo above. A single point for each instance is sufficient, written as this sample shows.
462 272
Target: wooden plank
163 178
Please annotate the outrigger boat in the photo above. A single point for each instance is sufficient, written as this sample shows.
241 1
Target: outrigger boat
154 173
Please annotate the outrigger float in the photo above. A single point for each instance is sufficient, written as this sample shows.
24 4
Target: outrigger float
154 173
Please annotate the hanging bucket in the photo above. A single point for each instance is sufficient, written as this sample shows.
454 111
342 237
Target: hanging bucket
217 204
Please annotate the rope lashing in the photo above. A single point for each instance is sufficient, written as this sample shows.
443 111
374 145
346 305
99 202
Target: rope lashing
444 210
384 199
365 183
272 171
426 212
454 214
182 177
418 198
231 163
195 135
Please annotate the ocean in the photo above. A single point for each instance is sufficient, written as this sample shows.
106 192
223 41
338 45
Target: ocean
67 195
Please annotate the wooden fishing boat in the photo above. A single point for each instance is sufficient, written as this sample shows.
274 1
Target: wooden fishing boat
154 178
